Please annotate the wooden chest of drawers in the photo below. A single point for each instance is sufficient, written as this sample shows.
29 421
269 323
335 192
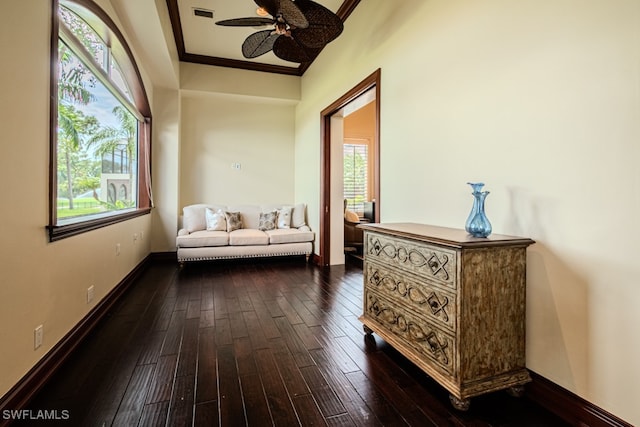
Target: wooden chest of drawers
452 304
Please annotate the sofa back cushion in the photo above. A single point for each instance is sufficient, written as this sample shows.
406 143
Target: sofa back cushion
250 215
194 218
298 215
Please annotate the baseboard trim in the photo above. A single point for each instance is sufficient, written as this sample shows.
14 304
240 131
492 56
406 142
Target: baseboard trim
21 394
569 406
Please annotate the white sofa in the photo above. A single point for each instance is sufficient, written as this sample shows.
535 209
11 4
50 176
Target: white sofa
203 235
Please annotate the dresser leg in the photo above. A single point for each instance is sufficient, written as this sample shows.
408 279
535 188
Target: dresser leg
368 331
516 391
460 404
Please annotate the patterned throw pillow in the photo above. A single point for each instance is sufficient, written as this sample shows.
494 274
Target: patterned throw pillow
234 220
267 221
284 217
216 220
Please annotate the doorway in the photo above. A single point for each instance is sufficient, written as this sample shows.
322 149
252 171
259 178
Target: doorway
332 141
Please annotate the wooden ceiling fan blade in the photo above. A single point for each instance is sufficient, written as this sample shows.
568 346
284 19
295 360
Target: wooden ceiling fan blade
258 43
324 25
246 22
316 36
292 14
289 49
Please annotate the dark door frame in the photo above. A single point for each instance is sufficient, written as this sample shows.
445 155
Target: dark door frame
372 81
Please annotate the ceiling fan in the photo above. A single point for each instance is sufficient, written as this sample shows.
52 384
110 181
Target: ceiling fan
301 29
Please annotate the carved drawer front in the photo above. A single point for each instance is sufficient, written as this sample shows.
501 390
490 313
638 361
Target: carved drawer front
421 297
425 260
413 330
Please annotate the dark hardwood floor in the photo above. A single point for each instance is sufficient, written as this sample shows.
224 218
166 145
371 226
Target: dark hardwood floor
268 342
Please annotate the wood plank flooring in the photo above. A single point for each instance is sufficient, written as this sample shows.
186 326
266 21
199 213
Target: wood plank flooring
267 342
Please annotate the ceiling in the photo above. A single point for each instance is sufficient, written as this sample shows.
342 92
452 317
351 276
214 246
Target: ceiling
200 40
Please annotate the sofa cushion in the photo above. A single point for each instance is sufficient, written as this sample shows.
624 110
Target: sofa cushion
202 238
268 220
248 236
289 235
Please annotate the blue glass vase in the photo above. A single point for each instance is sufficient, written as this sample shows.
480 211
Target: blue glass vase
477 188
480 225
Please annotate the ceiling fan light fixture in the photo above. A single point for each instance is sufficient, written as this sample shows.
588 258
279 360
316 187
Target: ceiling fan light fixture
261 11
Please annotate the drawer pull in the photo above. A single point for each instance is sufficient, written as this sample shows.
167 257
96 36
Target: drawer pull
437 348
438 307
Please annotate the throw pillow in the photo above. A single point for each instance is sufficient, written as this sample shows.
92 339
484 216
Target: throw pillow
284 217
267 221
234 220
351 216
297 215
194 218
216 220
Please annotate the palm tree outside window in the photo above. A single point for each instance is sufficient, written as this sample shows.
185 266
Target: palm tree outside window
102 133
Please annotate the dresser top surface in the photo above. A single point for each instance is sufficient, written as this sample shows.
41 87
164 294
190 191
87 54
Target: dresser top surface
443 235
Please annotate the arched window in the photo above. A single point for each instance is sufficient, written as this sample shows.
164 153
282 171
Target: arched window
101 122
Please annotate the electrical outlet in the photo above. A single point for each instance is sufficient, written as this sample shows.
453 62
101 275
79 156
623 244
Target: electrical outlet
90 290
38 336
236 166
135 237
141 235
117 249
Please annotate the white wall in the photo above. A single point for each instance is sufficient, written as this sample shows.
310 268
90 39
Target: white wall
218 130
42 283
541 101
165 170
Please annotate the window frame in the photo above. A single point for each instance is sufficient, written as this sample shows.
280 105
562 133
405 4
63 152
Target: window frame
366 143
116 43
